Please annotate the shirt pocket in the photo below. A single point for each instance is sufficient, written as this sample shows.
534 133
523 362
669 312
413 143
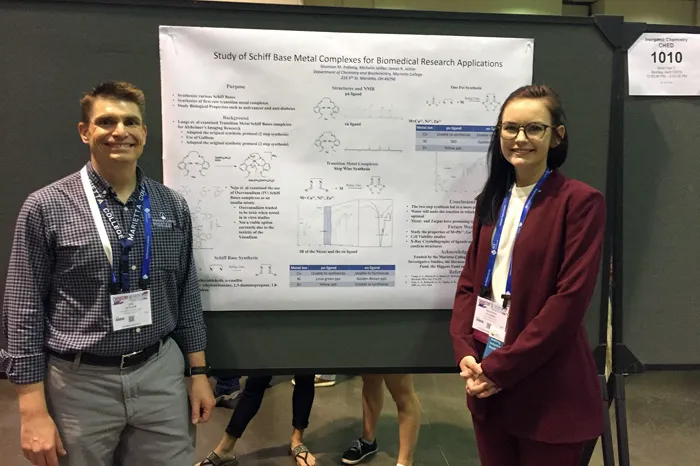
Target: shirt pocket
167 247
79 256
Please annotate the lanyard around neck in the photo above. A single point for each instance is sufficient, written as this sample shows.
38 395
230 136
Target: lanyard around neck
499 231
126 239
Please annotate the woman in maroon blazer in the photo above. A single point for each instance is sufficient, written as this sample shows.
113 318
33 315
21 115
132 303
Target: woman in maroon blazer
517 323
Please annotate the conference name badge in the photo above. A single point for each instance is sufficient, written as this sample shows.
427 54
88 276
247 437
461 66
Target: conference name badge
131 310
489 324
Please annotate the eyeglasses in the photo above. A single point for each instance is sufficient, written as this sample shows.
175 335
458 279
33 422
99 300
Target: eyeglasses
532 130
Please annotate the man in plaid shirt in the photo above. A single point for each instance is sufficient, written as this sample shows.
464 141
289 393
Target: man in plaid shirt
102 310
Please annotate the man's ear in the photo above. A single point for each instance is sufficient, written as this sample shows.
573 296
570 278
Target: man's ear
83 132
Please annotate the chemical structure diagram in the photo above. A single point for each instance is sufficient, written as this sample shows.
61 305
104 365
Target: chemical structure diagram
204 225
199 216
184 190
316 184
218 191
194 165
224 267
489 102
200 239
327 142
256 165
375 185
326 109
266 269
435 102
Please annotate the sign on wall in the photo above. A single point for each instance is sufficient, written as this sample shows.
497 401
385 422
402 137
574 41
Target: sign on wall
665 64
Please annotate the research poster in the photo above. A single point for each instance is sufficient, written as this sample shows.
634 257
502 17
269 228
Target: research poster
331 170
662 64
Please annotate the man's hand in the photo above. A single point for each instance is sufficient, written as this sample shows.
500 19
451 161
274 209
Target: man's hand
201 395
201 399
41 443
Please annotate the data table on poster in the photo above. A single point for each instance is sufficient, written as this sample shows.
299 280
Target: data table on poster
453 138
341 275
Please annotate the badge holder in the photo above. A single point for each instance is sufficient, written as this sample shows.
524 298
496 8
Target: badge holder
494 343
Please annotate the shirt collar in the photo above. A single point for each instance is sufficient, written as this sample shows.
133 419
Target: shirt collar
103 186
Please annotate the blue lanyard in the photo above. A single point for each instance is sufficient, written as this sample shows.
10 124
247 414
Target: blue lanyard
497 237
126 239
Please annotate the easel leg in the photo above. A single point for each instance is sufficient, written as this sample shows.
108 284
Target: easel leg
621 420
606 440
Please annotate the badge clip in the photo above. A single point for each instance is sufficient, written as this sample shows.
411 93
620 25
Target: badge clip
506 300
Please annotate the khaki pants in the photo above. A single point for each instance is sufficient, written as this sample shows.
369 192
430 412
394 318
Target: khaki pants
136 416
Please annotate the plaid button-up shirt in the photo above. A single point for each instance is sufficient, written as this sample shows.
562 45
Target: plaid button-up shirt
58 281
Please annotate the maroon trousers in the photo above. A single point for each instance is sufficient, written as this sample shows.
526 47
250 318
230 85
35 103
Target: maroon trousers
498 448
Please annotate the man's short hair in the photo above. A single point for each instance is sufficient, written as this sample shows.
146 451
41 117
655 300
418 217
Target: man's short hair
117 90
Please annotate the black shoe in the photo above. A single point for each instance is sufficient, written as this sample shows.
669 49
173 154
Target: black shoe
359 451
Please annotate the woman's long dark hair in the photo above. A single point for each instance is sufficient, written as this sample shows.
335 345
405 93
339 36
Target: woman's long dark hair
501 172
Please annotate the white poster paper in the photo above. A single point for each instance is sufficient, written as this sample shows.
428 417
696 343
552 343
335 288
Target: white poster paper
664 64
331 170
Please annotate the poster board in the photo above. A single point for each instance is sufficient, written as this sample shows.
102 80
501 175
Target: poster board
333 170
71 47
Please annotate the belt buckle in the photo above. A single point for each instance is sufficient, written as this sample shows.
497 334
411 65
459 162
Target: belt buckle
125 358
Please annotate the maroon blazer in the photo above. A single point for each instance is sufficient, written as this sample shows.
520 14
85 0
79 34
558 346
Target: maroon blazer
550 389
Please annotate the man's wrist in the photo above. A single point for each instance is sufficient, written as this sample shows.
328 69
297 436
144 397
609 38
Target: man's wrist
32 399
197 365
197 371
198 358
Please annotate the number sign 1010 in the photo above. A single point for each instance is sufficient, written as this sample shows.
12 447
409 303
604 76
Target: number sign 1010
664 57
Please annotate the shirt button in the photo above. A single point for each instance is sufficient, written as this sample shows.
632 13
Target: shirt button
138 330
126 209
133 267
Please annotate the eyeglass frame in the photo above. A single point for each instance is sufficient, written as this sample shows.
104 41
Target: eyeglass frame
522 127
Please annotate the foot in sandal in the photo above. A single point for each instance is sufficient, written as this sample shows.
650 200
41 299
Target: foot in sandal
214 459
301 454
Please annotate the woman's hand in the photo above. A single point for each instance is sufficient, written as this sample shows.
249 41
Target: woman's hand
477 384
469 367
490 387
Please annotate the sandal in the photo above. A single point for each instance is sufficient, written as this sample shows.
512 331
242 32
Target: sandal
297 453
215 460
